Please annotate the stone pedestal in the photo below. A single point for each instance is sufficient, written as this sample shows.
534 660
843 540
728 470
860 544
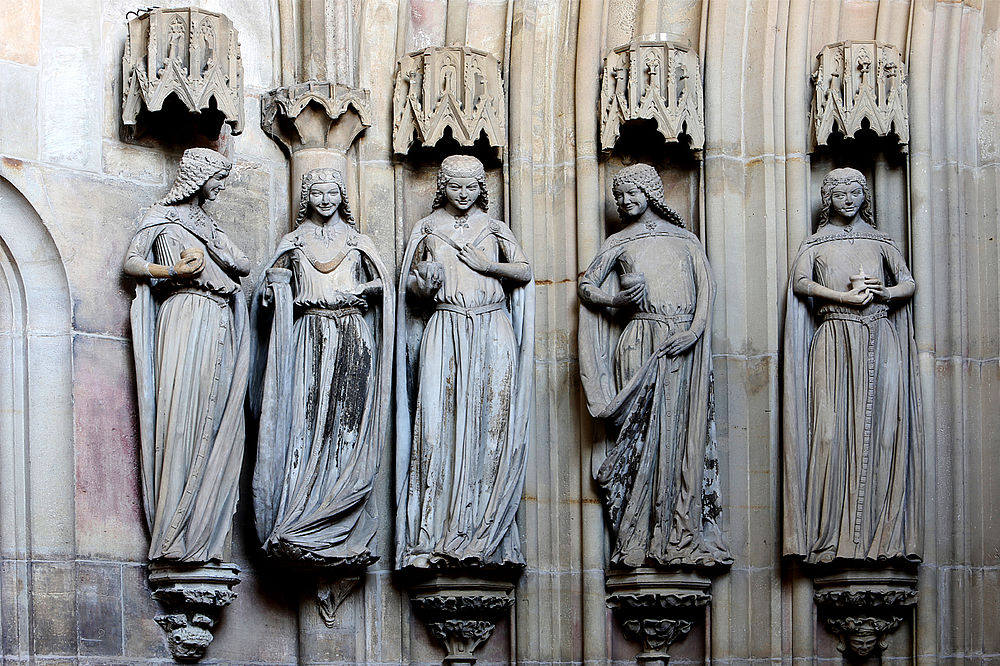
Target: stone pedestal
862 606
461 611
193 596
657 608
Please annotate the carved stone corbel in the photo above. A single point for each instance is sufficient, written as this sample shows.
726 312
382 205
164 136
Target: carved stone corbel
862 607
857 85
657 608
192 596
315 115
461 612
189 53
454 88
331 594
656 80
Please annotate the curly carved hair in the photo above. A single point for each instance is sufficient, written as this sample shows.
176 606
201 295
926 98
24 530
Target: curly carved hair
649 183
461 166
196 167
314 176
844 176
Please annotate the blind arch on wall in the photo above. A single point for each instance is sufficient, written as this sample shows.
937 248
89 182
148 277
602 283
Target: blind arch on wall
36 411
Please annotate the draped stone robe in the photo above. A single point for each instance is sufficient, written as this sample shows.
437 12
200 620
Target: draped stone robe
322 379
852 439
190 338
464 380
660 476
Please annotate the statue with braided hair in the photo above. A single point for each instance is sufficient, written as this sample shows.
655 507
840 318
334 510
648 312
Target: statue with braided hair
464 376
190 337
322 379
852 438
646 369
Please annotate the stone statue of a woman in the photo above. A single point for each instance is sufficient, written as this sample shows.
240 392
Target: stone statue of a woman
324 314
646 367
191 341
852 440
464 379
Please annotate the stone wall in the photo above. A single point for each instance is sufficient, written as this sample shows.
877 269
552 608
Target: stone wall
72 538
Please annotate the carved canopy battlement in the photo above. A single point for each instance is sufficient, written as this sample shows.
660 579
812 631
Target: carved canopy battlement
653 80
186 52
444 87
856 82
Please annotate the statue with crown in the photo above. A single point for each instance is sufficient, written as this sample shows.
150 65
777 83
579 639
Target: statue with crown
324 320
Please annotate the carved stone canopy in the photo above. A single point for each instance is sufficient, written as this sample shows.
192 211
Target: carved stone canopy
444 87
857 84
862 607
650 79
189 53
315 114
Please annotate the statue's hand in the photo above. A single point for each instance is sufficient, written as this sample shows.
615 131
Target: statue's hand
858 297
346 299
369 289
430 276
634 295
475 258
274 276
879 292
679 343
192 262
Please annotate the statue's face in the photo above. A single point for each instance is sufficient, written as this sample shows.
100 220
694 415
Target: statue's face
846 199
862 644
325 198
630 199
214 185
462 192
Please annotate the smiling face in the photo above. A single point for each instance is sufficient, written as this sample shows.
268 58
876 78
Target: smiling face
462 193
325 198
214 185
846 199
630 199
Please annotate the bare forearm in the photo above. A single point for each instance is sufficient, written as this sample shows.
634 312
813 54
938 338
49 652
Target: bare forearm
806 287
901 291
594 295
140 268
518 271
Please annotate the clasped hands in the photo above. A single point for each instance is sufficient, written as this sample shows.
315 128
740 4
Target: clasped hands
863 294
